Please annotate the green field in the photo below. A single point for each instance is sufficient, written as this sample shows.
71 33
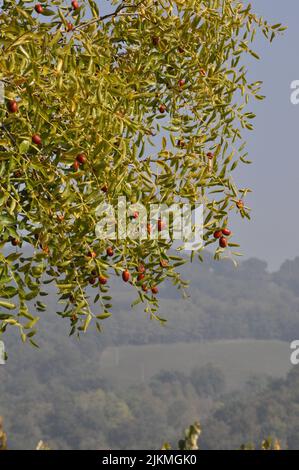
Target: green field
238 359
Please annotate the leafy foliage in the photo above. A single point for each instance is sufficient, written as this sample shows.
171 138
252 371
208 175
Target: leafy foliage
192 434
87 98
3 438
190 440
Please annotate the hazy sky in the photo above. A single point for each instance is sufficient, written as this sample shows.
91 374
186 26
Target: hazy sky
272 233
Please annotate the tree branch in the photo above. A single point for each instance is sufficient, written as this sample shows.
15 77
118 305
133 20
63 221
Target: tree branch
9 134
118 10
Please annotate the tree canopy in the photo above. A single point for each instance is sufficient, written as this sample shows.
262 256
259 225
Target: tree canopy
147 101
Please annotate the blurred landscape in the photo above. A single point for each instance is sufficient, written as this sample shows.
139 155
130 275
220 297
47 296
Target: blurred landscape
223 357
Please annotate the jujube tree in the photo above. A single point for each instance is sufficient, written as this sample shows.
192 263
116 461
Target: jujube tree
147 101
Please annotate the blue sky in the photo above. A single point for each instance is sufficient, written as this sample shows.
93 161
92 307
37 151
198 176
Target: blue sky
272 232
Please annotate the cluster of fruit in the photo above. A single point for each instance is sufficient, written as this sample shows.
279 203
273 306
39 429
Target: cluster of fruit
162 108
69 26
39 8
221 234
80 160
12 107
126 276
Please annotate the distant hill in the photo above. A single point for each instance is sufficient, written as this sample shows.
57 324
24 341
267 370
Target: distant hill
256 412
57 393
224 302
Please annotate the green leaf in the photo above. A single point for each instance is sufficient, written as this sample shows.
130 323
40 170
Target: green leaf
24 146
103 316
7 305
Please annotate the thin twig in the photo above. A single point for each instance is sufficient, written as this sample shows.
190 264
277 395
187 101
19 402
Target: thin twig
105 17
9 134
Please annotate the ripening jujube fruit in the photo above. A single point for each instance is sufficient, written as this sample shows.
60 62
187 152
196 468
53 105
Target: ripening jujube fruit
218 234
141 268
223 242
110 251
126 275
163 263
161 225
181 143
36 139
81 158
76 165
12 106
38 8
103 280
226 232
75 5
